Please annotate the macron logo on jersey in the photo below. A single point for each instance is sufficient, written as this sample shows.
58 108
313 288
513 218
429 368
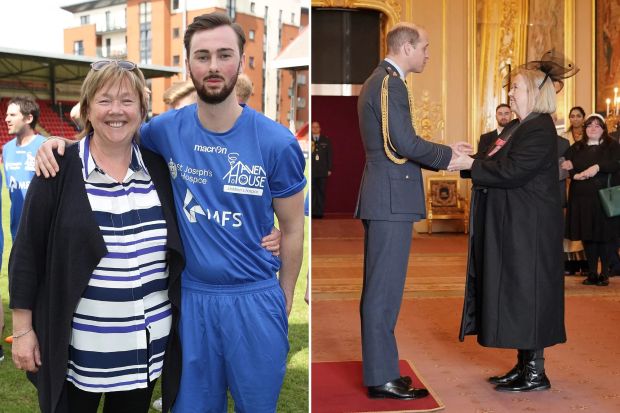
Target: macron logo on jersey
192 209
244 179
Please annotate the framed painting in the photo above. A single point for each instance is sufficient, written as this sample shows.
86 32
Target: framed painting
607 57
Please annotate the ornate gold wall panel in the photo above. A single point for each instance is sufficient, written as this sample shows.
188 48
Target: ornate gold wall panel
499 37
545 16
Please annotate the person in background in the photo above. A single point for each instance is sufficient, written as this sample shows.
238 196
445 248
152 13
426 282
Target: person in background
321 168
180 94
307 213
503 115
243 88
94 274
514 292
574 255
591 162
576 116
22 115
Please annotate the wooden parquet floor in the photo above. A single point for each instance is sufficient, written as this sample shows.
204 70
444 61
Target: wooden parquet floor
436 264
584 371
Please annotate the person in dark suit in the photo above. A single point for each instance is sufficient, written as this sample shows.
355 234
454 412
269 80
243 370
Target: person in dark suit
391 198
514 292
321 168
503 115
563 145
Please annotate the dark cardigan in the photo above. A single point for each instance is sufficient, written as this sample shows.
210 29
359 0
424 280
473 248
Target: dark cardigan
57 247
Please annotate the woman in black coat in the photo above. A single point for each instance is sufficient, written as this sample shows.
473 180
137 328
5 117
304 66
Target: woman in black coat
514 295
591 162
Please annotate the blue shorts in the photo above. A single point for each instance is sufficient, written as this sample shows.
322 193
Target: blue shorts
234 337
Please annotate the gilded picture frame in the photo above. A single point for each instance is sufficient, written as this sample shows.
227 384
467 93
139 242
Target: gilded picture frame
607 52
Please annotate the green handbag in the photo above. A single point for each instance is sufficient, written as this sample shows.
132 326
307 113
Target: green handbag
610 199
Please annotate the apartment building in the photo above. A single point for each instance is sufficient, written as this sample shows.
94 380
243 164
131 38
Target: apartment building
151 32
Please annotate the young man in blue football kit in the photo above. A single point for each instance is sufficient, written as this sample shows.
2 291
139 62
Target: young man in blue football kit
231 169
22 114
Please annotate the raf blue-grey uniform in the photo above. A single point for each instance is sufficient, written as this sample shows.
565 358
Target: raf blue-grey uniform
391 199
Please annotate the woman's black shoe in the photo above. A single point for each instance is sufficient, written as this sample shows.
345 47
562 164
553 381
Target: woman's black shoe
603 281
532 378
591 280
512 374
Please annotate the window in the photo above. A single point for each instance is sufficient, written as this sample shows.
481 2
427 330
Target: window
78 48
85 19
251 62
251 35
231 9
252 7
145 33
175 33
176 60
174 4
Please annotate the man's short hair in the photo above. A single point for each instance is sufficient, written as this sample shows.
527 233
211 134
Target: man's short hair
243 88
178 91
211 21
502 105
28 106
400 34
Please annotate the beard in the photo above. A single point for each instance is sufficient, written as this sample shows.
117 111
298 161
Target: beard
217 96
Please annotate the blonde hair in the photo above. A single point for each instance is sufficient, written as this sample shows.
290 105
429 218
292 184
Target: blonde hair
178 91
541 100
243 88
112 74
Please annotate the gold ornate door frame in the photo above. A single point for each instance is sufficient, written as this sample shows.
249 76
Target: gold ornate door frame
391 9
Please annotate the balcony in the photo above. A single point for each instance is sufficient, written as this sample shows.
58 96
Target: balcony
117 52
111 27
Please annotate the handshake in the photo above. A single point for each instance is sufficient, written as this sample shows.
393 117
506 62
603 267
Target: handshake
460 156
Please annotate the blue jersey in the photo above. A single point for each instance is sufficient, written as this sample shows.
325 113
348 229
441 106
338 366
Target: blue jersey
224 185
18 172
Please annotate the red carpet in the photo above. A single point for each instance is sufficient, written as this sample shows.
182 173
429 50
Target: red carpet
337 388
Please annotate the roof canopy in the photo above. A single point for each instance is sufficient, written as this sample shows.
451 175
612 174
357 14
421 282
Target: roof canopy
29 70
295 56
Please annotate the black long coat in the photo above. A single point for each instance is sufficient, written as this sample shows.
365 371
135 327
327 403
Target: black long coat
514 296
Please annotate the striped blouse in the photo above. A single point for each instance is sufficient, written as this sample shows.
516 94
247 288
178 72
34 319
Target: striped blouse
121 324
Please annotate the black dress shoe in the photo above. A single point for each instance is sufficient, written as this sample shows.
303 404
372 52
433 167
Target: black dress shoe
406 380
396 389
